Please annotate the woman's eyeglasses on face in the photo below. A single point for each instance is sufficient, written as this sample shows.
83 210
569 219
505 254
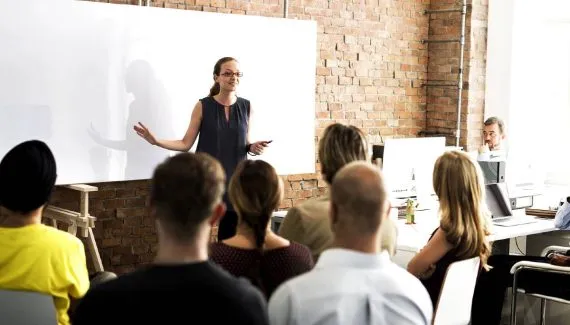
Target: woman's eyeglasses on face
229 74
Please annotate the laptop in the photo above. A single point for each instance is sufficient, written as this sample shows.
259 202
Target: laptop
500 206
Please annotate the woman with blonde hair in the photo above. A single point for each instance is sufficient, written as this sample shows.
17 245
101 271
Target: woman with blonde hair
256 252
458 182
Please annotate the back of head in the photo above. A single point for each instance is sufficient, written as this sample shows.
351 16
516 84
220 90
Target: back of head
184 191
27 177
255 191
458 182
358 199
340 145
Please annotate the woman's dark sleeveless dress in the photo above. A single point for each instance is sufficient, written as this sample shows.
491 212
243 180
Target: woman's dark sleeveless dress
435 281
225 140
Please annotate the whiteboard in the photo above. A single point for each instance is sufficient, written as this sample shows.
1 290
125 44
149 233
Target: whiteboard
78 75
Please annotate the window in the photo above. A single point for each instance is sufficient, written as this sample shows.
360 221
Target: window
528 85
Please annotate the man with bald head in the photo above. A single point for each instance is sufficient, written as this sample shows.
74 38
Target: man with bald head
354 282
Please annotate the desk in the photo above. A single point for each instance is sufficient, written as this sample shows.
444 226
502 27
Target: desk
412 238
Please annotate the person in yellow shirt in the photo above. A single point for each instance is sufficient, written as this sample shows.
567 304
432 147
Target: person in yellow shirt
35 257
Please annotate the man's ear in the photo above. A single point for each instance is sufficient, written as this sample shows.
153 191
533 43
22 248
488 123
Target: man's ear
387 209
152 212
217 213
333 215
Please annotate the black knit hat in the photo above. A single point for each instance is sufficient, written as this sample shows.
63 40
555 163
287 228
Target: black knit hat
27 176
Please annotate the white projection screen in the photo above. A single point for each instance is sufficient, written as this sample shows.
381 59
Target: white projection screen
78 75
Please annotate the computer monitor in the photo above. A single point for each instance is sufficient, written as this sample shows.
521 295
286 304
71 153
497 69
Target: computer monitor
497 198
408 166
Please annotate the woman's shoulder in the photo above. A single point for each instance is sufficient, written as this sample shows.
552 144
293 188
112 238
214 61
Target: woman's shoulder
300 253
243 100
295 250
206 100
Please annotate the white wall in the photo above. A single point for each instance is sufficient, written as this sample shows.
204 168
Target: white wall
79 75
528 84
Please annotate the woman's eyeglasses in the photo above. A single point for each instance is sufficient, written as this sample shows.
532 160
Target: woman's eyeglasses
229 74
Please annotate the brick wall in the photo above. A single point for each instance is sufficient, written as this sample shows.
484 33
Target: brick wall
443 69
370 73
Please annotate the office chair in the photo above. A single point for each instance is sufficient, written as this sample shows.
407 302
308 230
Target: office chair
456 297
538 267
26 307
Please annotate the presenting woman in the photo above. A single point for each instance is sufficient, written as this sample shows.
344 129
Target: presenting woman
222 120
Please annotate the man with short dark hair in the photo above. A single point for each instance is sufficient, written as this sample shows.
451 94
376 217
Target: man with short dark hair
181 285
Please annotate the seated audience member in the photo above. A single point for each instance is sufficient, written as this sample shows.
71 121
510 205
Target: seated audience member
33 256
462 233
494 134
255 252
181 284
308 222
354 282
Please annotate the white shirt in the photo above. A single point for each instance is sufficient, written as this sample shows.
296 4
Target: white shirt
351 288
493 155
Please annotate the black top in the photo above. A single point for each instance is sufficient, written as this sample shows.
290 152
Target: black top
265 271
173 294
224 139
435 281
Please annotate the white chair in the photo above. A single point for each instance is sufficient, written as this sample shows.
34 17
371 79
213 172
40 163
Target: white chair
26 308
456 296
538 267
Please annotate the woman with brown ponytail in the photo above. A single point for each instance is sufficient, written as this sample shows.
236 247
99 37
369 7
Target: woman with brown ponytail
222 121
255 252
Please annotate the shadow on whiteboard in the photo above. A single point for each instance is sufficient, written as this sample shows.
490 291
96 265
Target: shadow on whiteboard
151 105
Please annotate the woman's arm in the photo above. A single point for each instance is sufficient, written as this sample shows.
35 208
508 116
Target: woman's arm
176 145
436 248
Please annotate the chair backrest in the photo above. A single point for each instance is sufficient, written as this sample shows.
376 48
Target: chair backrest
456 296
26 307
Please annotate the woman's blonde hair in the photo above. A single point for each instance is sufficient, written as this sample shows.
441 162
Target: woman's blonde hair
340 145
458 183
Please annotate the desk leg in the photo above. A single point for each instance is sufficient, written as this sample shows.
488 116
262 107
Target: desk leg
501 247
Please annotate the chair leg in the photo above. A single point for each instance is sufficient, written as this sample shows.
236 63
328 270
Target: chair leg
514 301
542 311
514 307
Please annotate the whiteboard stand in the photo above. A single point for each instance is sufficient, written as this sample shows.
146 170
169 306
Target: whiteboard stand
81 221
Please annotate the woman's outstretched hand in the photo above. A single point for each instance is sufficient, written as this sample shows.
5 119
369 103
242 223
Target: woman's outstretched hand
144 133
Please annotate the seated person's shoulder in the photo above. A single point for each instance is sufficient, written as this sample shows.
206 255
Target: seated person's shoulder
402 283
53 237
310 208
299 251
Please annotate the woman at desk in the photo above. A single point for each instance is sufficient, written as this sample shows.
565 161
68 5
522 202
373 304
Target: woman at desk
458 183
222 120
